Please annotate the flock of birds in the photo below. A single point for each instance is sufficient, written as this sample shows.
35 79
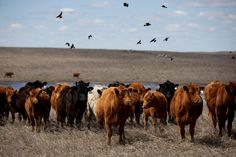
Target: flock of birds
72 46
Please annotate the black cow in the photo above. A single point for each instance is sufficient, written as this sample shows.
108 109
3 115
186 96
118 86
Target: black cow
36 84
72 103
168 89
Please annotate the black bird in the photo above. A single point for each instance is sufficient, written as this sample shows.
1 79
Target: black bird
166 39
233 57
90 36
72 46
68 44
147 24
139 42
153 40
163 6
60 15
230 51
126 4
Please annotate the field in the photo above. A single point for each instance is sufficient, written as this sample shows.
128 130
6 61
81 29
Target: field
103 66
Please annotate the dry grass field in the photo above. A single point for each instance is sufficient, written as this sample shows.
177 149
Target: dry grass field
58 65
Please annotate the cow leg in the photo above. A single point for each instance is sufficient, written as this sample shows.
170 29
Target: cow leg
137 114
213 116
191 129
182 131
230 120
13 116
70 120
32 123
145 119
220 125
38 123
108 133
122 133
131 118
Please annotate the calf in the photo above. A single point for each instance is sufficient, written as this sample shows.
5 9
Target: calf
186 106
154 105
113 108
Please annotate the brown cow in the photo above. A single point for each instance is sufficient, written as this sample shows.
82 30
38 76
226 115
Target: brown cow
8 74
221 102
33 108
139 102
154 105
186 106
113 108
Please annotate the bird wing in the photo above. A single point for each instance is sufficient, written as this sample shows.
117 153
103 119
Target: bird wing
60 15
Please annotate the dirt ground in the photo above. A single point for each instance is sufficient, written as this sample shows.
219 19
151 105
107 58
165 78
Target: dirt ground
58 65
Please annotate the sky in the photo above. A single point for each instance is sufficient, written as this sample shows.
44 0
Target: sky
191 25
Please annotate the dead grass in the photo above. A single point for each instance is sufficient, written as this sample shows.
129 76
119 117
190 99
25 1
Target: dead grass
18 140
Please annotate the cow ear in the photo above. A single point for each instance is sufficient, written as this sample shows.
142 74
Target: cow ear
90 88
161 86
148 89
131 90
185 88
99 92
176 85
227 88
87 84
116 91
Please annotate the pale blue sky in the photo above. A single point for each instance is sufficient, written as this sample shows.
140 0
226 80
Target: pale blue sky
193 25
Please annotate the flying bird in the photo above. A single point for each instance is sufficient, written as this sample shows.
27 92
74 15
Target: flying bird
153 40
60 15
163 6
90 36
147 24
68 44
139 42
72 46
166 39
126 4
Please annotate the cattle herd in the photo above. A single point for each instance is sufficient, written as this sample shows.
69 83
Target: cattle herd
112 105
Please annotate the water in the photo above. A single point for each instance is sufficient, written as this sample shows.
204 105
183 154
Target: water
18 85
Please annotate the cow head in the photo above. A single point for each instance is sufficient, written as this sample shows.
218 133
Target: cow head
193 91
33 95
124 95
9 94
147 100
168 89
83 89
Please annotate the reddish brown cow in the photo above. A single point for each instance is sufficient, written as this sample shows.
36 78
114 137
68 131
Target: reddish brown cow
154 105
220 100
113 108
186 106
